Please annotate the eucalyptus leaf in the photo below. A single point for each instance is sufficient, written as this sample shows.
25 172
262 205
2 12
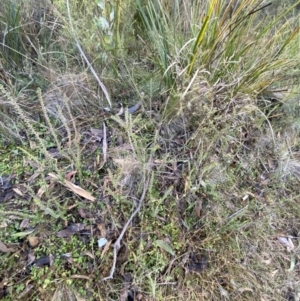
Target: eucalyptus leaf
165 246
22 234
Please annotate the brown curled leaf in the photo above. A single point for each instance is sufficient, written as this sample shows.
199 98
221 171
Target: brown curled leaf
198 208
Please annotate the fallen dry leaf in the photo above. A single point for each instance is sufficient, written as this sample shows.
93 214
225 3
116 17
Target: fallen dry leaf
44 261
32 178
70 230
272 163
106 248
76 227
97 132
245 289
80 277
78 190
102 229
121 112
30 257
286 242
64 233
126 163
75 188
18 191
70 175
87 253
4 248
72 206
187 184
85 214
82 213
148 245
41 191
134 108
273 274
198 208
24 224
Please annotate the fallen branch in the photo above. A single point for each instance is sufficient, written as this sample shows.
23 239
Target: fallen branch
117 244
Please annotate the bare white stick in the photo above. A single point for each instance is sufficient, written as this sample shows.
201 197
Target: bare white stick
117 244
104 90
104 143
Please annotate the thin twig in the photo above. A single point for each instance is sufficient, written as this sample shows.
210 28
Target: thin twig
238 212
104 90
104 143
117 244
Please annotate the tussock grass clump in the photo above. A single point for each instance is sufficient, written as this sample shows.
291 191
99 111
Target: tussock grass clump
27 30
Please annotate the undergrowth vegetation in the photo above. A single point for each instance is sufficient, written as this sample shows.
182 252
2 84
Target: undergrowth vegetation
149 150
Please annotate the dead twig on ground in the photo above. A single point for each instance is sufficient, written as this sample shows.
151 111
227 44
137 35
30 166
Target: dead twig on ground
104 143
117 244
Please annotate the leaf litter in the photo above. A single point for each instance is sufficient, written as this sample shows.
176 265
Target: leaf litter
165 246
287 242
75 188
70 230
5 249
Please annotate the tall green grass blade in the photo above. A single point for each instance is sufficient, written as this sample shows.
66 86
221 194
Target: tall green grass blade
293 35
200 36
